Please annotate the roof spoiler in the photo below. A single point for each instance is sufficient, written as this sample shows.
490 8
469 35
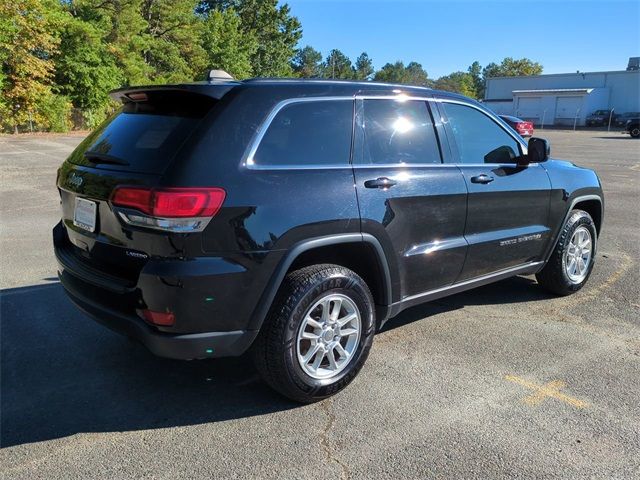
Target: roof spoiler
138 94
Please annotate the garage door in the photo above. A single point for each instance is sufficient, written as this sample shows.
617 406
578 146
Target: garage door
529 108
568 107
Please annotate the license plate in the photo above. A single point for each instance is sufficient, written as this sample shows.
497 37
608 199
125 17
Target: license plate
84 214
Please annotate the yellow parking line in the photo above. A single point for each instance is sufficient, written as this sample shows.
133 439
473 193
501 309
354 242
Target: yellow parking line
548 390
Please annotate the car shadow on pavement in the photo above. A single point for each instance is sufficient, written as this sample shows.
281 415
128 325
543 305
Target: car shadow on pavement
63 374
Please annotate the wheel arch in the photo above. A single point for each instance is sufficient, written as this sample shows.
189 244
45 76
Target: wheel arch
339 249
593 205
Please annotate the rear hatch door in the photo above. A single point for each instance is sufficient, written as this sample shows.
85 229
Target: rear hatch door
133 147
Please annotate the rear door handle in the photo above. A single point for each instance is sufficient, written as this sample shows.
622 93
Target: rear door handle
382 182
484 178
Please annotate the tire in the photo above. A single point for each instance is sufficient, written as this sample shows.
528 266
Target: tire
557 276
634 132
279 349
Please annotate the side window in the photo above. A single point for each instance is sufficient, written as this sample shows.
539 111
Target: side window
393 131
308 133
479 139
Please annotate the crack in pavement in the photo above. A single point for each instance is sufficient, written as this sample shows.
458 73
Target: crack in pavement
326 407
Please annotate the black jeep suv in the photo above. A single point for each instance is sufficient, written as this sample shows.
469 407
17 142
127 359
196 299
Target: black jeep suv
293 218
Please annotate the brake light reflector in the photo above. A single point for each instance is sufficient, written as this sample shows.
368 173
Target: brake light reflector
171 202
172 209
164 319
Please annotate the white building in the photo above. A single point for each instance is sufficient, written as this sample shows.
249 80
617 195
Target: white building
561 99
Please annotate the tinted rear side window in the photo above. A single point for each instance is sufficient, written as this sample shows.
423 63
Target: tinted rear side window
396 132
308 133
145 135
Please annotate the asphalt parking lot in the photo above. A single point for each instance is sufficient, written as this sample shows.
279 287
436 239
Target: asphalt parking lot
501 381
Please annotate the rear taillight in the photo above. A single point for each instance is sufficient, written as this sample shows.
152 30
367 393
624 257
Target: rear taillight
172 209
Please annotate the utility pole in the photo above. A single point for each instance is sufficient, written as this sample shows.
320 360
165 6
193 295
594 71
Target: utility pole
575 120
610 115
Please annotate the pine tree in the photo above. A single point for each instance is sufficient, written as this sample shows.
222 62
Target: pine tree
337 65
226 46
364 67
307 63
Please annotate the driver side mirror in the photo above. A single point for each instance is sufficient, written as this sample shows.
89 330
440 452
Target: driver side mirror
538 150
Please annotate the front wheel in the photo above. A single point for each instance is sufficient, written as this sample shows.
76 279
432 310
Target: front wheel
318 333
634 132
572 259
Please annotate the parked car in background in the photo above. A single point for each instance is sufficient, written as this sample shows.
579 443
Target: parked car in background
524 128
621 120
633 128
600 118
292 219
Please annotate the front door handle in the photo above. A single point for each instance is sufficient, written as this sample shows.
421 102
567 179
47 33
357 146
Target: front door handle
382 182
484 178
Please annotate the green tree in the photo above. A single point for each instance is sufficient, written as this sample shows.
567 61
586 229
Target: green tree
391 73
28 34
416 75
338 65
459 82
124 33
510 67
5 36
226 46
307 63
277 32
475 70
412 74
172 40
85 70
364 67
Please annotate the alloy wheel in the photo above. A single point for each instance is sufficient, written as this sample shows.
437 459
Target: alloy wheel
578 255
328 336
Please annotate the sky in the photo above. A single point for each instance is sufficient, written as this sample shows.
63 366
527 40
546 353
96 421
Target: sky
447 36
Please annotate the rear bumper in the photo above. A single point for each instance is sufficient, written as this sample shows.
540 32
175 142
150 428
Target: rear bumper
180 346
202 293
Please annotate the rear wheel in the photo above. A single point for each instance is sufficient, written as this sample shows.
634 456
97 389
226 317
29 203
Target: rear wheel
318 333
571 262
634 132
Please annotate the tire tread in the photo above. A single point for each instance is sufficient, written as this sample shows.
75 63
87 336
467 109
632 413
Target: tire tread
552 276
267 350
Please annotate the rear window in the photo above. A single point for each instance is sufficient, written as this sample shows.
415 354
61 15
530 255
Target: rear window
144 135
308 133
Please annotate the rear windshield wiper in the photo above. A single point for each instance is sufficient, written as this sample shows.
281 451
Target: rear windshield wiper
96 157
